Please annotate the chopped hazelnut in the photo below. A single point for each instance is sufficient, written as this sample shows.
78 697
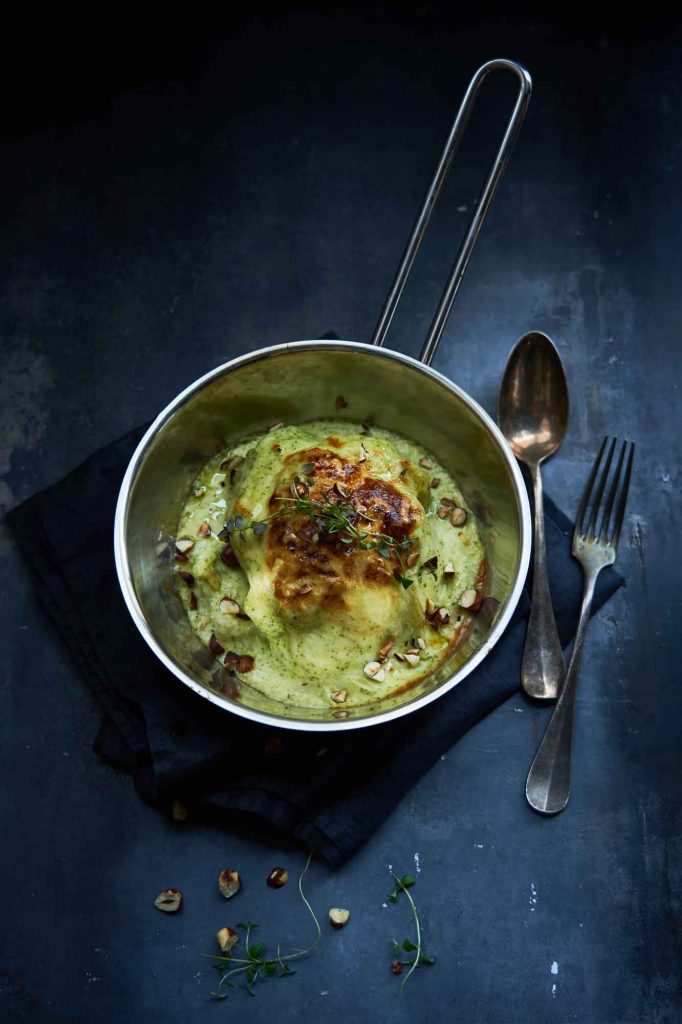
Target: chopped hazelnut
470 599
412 559
412 659
277 878
429 606
339 696
443 512
187 578
426 463
448 570
435 481
245 663
204 530
229 607
420 642
229 883
374 670
227 939
184 544
458 516
338 917
214 646
448 503
228 557
192 603
385 648
169 901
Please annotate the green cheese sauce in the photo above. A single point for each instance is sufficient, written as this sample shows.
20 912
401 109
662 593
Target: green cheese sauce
320 640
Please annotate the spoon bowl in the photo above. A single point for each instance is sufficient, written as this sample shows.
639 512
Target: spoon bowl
533 399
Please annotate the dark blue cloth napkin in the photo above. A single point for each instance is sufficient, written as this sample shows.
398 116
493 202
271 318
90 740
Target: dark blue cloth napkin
331 792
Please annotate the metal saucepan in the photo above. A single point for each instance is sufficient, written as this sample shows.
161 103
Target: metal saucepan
299 382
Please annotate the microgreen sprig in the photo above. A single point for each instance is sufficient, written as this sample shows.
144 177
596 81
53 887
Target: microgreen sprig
420 958
256 964
333 518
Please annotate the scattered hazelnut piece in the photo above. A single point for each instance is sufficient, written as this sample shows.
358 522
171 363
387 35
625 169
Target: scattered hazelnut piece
489 607
448 503
448 570
397 967
374 670
170 901
364 454
443 512
215 647
338 917
204 530
187 578
412 659
426 463
435 481
245 663
192 603
412 559
441 616
458 516
229 607
429 606
228 557
229 883
339 696
227 939
341 402
277 878
385 648
421 644
470 599
339 714
179 811
399 656
184 544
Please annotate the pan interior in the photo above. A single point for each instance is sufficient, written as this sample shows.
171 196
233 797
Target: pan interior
296 384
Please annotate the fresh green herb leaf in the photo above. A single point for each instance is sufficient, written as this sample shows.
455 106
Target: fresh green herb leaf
256 951
420 958
383 551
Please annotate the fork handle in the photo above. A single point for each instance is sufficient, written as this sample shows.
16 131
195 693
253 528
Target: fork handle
548 786
542 671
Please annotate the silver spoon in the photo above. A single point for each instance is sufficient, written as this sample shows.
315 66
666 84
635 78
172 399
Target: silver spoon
532 410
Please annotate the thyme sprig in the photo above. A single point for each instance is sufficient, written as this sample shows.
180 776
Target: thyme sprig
420 958
256 965
333 518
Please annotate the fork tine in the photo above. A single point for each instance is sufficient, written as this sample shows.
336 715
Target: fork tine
613 490
588 489
592 528
620 514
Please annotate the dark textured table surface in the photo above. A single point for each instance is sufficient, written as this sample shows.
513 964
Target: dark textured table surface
177 195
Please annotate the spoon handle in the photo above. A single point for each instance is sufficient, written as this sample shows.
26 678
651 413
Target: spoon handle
543 669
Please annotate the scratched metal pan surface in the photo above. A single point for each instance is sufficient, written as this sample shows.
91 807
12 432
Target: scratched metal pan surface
299 382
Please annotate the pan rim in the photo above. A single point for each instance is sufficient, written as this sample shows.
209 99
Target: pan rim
338 725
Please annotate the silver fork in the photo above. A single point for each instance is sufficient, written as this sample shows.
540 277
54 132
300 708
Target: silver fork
595 544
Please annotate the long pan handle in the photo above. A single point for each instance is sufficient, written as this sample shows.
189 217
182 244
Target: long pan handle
482 207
